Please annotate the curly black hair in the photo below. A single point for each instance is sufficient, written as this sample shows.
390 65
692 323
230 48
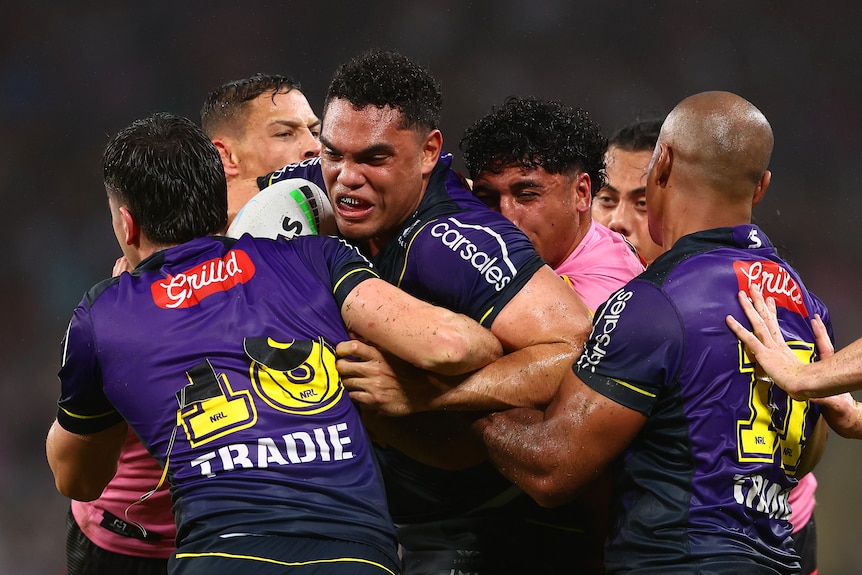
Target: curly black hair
389 79
531 132
228 102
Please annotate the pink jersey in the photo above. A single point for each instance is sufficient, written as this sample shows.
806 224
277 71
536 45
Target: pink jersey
602 263
802 502
137 474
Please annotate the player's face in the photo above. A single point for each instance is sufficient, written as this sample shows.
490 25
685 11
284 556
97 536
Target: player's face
375 171
279 130
546 207
621 204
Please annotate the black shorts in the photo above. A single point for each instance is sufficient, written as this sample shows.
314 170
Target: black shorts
497 546
83 557
805 541
277 555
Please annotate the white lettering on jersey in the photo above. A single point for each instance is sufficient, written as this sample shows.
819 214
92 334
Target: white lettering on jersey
496 270
754 239
603 327
775 281
183 286
322 444
758 493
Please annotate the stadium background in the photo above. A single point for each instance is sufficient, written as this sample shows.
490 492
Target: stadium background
73 73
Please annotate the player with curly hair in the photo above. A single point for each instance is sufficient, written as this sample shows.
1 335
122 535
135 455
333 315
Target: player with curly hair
396 197
220 355
539 163
703 447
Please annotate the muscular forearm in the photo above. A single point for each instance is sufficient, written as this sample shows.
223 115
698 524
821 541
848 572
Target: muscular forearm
528 377
442 440
429 337
531 454
837 374
552 454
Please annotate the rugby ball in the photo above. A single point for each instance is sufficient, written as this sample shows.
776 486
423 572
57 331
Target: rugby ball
289 208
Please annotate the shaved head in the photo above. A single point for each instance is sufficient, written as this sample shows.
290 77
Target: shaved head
720 140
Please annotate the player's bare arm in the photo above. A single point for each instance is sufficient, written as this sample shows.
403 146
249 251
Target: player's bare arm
427 336
543 329
552 454
385 384
84 464
843 414
814 448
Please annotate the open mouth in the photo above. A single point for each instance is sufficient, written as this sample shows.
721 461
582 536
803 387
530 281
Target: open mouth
352 207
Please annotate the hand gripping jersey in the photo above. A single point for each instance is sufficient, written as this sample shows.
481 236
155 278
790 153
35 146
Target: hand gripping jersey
219 354
456 253
707 479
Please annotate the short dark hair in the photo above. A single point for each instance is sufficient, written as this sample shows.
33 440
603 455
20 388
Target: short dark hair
389 79
228 102
531 132
169 175
640 135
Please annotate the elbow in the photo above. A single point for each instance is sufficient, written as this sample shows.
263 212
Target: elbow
550 491
78 490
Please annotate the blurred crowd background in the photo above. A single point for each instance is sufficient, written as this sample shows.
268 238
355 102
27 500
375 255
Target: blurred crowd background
73 73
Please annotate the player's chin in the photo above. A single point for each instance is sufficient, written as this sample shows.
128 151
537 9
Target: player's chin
355 229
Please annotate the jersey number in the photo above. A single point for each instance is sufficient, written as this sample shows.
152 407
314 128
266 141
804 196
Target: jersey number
769 428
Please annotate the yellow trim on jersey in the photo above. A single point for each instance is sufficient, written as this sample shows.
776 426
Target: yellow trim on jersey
277 562
633 388
407 251
76 416
345 276
487 313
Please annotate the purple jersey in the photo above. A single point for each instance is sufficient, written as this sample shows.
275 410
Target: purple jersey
707 478
220 355
456 253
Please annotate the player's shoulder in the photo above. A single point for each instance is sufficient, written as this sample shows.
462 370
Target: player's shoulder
97 290
473 235
480 223
308 169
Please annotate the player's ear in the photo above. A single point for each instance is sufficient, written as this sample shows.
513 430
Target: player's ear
661 165
131 229
228 158
760 190
582 191
431 147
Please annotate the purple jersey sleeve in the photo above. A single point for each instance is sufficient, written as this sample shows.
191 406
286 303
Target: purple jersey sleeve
82 407
471 262
219 354
307 169
631 355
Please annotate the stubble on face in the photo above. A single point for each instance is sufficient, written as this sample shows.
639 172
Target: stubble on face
372 169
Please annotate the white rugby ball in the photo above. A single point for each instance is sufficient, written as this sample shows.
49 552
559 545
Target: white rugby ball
289 208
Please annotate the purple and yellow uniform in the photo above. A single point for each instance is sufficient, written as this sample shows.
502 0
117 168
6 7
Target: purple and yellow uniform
456 253
219 354
704 486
